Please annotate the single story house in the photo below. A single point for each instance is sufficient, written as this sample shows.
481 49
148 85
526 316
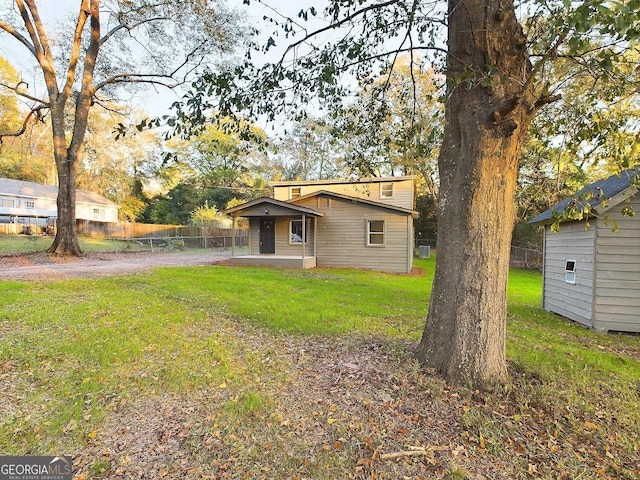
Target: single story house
591 267
333 223
34 204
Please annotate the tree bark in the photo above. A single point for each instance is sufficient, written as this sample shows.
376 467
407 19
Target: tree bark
67 157
489 107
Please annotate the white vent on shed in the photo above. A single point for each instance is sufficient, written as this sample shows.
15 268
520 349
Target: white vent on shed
570 271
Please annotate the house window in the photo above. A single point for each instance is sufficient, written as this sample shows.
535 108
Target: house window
294 192
570 271
98 213
7 203
375 233
29 204
386 190
296 231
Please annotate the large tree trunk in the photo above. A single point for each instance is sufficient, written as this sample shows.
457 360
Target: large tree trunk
66 239
488 110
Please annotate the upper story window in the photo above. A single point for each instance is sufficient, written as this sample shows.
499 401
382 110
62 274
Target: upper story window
294 192
386 190
29 204
98 213
6 203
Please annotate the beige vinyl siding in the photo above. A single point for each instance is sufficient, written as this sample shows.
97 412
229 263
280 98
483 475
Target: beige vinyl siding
254 235
342 236
617 302
403 192
572 242
284 247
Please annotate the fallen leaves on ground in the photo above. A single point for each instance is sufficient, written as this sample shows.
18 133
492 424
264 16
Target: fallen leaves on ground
356 408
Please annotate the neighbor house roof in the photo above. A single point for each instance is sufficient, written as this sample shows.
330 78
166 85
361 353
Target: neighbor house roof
20 188
600 196
350 198
256 208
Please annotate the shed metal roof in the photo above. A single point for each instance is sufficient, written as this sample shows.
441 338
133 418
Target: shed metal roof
601 195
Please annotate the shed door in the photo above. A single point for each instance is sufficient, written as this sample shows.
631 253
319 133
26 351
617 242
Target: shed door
267 235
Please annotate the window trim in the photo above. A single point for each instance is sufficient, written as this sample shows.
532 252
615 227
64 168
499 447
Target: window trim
368 223
291 195
306 231
99 213
387 184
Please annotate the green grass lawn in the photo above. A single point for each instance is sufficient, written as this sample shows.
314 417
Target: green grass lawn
74 354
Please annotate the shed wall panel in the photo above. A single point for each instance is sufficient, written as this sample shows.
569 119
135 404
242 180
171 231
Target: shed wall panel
574 301
617 300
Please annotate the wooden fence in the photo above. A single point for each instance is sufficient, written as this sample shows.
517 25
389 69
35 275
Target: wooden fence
146 230
143 235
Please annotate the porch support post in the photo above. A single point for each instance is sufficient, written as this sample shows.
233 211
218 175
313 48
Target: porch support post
304 235
233 236
315 237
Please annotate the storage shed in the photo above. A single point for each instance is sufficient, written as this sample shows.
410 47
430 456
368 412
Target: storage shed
591 267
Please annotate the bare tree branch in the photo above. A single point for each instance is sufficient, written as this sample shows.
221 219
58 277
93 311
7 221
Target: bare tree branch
122 26
15 34
75 50
25 123
17 91
335 25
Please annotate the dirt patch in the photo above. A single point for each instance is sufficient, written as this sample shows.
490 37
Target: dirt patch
43 267
346 410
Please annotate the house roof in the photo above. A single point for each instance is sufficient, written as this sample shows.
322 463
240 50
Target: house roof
342 181
20 188
350 198
600 196
254 208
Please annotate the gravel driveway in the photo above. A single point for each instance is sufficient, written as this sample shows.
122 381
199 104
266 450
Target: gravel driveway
40 266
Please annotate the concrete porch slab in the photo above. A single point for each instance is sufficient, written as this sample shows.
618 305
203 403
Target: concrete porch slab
285 261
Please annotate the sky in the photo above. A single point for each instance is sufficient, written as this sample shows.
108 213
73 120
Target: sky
153 103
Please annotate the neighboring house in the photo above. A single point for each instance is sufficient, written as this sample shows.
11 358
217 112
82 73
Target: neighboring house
29 203
591 267
366 224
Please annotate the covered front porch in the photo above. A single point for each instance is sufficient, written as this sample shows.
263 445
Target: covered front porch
281 234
